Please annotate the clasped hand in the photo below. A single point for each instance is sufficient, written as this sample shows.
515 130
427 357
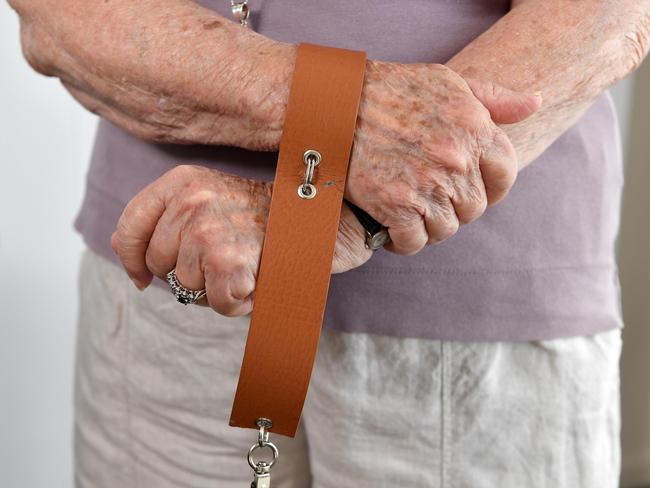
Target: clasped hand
428 156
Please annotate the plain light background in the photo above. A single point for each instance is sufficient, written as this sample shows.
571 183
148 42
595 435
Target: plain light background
45 140
45 143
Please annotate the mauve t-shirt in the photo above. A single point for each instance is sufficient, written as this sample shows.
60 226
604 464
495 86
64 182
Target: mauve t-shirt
539 265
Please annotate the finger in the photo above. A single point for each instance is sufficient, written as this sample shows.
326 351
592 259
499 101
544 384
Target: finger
134 230
440 220
162 253
499 166
469 197
229 284
407 239
350 250
505 106
189 272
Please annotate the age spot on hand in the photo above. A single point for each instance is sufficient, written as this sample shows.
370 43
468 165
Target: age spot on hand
212 25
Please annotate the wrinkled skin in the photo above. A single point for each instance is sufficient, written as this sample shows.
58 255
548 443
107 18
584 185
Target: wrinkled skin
151 67
210 225
421 183
428 155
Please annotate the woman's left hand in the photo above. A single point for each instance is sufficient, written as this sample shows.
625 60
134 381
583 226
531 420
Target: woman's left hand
210 226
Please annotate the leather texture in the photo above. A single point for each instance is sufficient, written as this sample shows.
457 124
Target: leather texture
296 262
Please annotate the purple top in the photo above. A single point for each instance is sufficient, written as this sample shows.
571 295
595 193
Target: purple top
539 265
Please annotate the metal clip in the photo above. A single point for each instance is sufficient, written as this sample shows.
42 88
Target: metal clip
262 476
312 159
262 469
240 11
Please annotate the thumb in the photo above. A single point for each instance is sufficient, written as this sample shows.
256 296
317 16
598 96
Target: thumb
505 106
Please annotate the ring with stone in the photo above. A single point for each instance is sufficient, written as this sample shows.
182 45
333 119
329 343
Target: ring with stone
182 294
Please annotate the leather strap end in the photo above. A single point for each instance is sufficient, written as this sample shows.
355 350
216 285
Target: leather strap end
296 263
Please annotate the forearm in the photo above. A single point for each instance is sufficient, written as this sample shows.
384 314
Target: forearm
570 51
165 70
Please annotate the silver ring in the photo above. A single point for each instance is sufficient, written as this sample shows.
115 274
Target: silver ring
255 447
182 294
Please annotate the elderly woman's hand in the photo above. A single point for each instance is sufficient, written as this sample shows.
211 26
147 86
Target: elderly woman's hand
428 155
210 226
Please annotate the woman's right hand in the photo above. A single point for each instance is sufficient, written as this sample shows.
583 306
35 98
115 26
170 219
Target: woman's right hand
428 154
210 226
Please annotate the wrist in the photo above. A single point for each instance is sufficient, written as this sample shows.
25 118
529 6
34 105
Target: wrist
265 93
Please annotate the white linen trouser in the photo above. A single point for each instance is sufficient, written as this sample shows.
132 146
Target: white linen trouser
155 382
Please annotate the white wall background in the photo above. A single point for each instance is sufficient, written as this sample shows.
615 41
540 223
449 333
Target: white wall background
45 142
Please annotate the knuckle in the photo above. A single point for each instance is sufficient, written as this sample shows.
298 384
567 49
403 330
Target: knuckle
450 229
506 168
242 288
183 172
444 161
221 300
196 199
480 206
443 221
408 238
446 228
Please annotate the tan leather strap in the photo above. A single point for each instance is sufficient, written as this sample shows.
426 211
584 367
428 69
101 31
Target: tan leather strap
296 263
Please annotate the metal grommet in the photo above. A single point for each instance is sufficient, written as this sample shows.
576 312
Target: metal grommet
307 191
313 156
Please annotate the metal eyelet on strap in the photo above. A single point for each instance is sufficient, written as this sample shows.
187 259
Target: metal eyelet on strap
307 190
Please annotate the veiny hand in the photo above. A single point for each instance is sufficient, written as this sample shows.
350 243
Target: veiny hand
210 226
428 155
